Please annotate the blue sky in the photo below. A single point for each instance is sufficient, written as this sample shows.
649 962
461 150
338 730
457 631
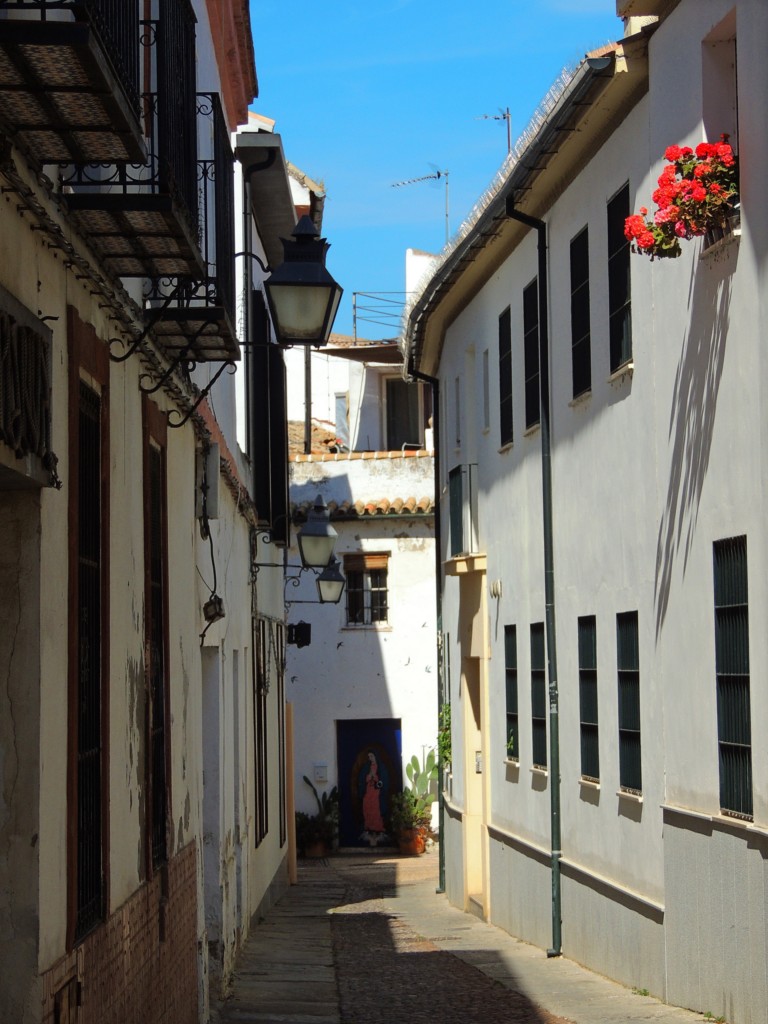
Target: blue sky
372 92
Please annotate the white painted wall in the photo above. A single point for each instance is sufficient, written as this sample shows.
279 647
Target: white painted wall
648 472
350 672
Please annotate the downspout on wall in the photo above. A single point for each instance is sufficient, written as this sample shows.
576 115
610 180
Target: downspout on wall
434 383
549 569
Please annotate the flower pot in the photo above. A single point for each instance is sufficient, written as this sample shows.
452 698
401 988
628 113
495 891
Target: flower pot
316 849
412 841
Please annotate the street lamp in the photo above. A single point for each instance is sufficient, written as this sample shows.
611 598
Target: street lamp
317 538
330 582
302 296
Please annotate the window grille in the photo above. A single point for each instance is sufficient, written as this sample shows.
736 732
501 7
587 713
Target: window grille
510 673
580 319
280 649
531 353
456 502
538 696
590 754
261 690
366 588
734 729
157 665
505 377
90 880
619 304
628 665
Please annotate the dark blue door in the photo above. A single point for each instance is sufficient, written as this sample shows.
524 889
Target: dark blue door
370 770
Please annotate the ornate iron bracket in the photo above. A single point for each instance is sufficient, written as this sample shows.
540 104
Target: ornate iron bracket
202 396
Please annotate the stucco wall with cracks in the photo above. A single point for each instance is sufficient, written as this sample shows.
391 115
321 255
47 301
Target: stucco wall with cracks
19 749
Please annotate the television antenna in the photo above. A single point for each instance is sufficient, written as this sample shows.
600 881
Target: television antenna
435 176
503 115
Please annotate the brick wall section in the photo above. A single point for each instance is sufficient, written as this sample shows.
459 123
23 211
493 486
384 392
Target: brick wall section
140 966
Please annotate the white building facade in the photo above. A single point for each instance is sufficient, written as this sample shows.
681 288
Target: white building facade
622 665
367 682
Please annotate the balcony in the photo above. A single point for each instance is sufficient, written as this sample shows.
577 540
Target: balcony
170 220
142 218
69 79
198 319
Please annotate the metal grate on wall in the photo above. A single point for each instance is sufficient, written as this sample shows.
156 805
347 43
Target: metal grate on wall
734 728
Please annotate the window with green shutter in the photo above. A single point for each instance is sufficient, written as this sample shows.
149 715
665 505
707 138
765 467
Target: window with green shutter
505 377
734 729
580 321
619 292
510 675
538 696
628 665
590 754
531 353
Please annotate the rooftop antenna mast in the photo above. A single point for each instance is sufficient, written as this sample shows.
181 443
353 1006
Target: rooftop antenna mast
436 176
503 115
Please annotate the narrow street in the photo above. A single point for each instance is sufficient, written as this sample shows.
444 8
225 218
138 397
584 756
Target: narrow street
367 940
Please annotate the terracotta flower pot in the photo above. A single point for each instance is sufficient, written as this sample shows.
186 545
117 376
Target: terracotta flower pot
412 841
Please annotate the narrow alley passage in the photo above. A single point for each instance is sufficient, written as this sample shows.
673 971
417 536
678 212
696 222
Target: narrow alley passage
367 940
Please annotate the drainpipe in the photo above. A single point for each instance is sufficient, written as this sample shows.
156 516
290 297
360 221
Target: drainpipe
549 572
435 385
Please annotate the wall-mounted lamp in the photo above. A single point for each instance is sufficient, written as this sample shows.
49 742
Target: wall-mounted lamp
330 582
316 540
302 296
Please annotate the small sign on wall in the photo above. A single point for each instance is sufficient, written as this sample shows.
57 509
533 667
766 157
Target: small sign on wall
479 762
320 773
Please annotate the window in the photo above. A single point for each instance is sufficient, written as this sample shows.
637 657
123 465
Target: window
260 649
269 432
720 99
531 353
366 588
88 692
402 414
590 755
619 307
580 334
279 638
156 630
457 411
510 673
341 407
734 730
90 890
456 508
486 392
505 377
628 665
538 696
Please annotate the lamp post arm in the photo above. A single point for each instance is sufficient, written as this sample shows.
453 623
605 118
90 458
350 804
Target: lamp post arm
252 256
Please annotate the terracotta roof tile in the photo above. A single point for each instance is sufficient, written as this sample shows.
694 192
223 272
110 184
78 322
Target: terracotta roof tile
377 507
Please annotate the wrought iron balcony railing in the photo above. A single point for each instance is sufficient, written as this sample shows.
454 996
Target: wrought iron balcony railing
142 218
199 317
69 79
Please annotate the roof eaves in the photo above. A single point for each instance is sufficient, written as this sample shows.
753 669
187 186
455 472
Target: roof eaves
581 90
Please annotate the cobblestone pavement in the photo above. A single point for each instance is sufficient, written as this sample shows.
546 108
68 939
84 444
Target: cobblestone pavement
388 973
366 940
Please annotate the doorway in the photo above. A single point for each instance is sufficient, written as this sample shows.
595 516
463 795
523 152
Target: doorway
369 752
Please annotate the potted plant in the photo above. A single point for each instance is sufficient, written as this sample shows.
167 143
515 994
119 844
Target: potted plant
697 194
410 818
410 810
316 834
